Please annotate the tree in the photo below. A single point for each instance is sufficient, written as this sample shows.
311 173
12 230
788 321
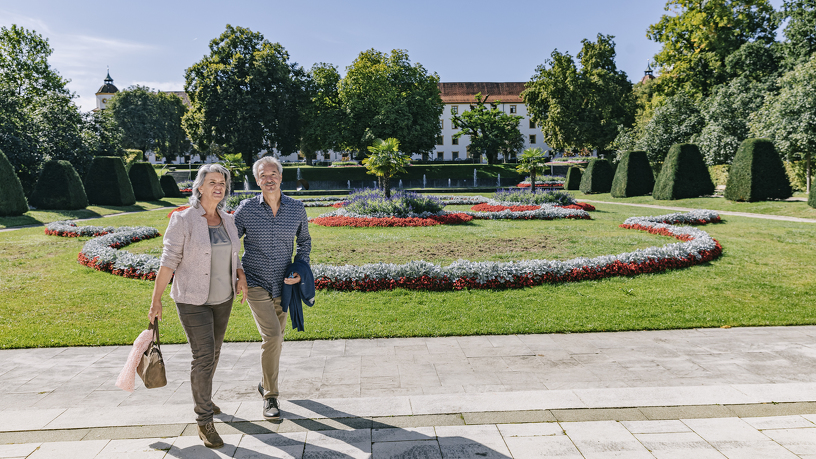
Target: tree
491 130
385 161
698 37
150 120
244 96
581 109
532 161
323 115
800 31
677 121
102 136
383 95
789 117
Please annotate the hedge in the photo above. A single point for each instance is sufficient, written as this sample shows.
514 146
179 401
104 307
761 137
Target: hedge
812 196
757 173
107 182
634 175
170 187
145 182
573 181
598 177
684 174
59 187
12 197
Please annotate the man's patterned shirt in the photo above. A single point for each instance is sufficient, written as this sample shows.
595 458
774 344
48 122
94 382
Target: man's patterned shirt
270 240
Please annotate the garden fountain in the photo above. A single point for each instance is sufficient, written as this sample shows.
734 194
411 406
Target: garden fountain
400 184
424 182
498 181
448 183
474 178
299 177
246 184
348 184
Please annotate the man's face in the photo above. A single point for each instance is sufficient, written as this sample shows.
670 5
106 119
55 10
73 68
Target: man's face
269 178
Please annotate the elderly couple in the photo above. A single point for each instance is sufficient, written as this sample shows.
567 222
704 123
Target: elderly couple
201 247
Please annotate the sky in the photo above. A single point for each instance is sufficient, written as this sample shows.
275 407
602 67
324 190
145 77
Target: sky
151 43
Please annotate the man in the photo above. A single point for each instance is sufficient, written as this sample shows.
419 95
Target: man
271 223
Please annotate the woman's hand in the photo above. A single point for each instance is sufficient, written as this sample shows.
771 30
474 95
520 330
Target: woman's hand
292 280
155 310
242 288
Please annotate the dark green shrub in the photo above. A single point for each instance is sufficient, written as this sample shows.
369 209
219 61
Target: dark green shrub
757 173
59 187
145 182
633 176
170 187
107 182
598 177
573 181
812 197
12 197
684 174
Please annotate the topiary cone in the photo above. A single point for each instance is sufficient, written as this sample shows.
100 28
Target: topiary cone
12 197
573 181
107 182
757 173
170 187
634 175
684 174
598 177
145 182
59 187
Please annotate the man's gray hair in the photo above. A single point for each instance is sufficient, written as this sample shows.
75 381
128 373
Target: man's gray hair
264 160
195 198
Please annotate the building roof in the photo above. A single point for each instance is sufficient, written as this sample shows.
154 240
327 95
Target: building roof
182 94
463 93
108 87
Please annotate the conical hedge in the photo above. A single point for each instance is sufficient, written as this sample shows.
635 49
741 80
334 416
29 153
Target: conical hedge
170 187
107 182
145 182
757 173
12 197
812 196
634 175
59 187
573 181
684 174
598 177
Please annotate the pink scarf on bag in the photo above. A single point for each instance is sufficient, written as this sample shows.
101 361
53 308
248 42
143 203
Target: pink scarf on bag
127 378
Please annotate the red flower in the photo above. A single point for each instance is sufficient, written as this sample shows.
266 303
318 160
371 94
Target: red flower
449 219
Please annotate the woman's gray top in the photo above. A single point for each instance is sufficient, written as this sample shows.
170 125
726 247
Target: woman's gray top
221 265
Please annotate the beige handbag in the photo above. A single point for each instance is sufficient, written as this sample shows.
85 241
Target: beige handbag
151 367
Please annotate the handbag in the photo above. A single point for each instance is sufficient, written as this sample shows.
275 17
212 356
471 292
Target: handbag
151 366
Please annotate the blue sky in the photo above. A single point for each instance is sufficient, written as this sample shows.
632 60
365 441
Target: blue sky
153 42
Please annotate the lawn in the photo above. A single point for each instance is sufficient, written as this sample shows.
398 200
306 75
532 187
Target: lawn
766 276
42 217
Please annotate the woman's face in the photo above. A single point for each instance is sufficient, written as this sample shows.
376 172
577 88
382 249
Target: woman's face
213 188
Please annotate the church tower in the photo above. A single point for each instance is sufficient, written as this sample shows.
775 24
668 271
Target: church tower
105 93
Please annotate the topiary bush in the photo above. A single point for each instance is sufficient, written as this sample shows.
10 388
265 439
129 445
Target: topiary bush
107 182
598 177
573 181
757 173
59 187
684 174
170 187
145 182
633 176
812 196
12 197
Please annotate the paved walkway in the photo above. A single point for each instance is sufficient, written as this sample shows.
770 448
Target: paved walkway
721 212
735 393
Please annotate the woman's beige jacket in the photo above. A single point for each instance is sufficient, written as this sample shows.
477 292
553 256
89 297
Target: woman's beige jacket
187 252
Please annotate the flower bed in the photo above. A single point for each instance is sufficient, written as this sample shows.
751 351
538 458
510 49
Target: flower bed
359 222
542 185
694 217
498 208
102 253
696 247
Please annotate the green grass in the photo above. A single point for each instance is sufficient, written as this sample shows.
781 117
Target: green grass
42 217
765 277
784 208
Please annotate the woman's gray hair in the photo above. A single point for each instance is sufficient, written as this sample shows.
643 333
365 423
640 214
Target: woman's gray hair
195 198
256 168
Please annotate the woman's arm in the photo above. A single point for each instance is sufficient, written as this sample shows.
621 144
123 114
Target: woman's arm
162 279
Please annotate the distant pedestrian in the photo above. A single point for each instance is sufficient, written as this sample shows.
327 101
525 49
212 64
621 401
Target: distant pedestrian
201 247
271 225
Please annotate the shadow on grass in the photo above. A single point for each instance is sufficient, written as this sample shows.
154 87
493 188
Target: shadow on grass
41 217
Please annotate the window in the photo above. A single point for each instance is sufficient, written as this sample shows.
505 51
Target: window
532 139
455 155
440 140
532 125
440 155
441 124
454 109
512 109
454 140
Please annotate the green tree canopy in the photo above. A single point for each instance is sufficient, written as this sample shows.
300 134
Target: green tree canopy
385 160
383 95
245 95
581 108
698 35
323 114
491 131
677 121
532 161
800 31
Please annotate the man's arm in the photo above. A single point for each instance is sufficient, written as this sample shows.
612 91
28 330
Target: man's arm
304 240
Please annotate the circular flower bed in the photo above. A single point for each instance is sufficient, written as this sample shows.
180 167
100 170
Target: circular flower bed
696 247
102 252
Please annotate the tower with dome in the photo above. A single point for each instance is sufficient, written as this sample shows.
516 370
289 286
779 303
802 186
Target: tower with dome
105 93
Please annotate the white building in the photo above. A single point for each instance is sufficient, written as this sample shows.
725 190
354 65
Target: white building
105 93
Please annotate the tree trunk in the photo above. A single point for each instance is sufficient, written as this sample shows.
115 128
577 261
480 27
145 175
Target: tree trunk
387 186
532 180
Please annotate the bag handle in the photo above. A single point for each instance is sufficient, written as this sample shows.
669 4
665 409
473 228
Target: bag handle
155 327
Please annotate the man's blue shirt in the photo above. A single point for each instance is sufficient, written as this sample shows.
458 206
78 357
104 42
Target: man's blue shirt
270 240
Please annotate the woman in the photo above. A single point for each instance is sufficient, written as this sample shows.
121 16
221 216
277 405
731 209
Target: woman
201 246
